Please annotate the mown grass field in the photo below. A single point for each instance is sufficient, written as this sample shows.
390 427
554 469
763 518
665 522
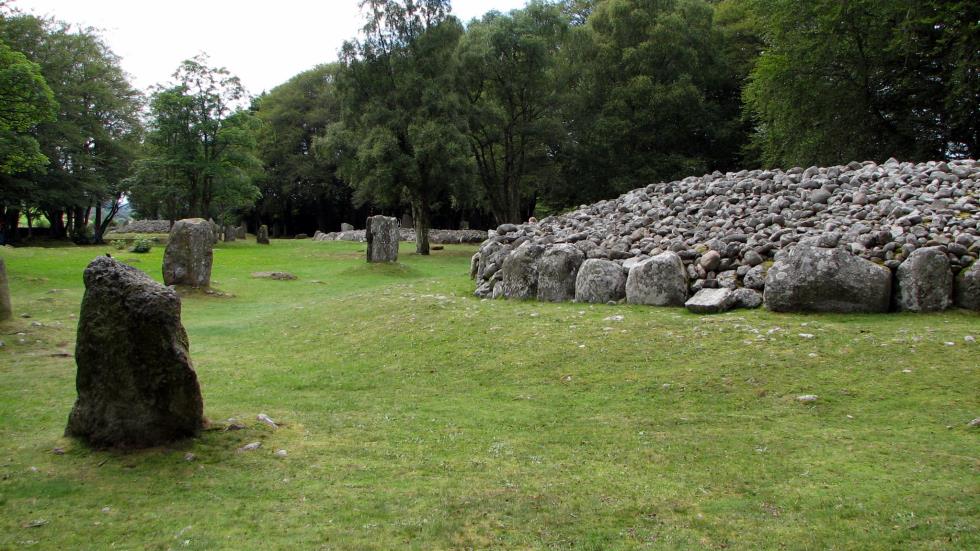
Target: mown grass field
416 416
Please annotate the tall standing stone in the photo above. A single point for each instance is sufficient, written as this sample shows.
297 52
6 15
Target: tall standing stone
241 232
925 281
230 233
521 272
382 239
189 254
262 235
136 385
5 309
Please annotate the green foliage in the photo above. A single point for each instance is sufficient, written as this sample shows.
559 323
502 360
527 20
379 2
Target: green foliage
509 77
92 142
25 101
297 181
416 416
842 81
141 245
400 135
201 155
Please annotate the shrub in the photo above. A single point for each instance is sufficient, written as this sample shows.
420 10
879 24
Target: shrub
142 245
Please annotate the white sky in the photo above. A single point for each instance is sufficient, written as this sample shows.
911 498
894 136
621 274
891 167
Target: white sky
262 42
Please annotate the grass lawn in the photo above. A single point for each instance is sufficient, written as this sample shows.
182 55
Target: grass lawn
417 416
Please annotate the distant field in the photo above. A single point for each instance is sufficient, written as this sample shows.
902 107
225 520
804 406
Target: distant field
416 416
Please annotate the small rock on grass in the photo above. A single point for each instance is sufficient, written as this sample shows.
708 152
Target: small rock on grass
807 398
189 456
280 453
250 447
267 420
975 423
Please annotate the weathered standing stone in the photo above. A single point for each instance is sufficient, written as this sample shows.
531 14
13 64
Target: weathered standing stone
521 272
346 227
711 301
382 239
136 385
557 270
658 281
189 254
814 279
241 232
262 236
968 287
600 281
215 232
230 233
925 281
6 312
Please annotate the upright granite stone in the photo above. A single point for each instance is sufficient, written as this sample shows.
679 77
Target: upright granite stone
6 311
557 270
136 385
231 233
520 272
925 281
215 232
813 279
189 254
968 287
600 281
262 235
658 281
346 227
382 239
241 232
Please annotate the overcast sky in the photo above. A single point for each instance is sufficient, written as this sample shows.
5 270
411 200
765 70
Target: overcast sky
262 42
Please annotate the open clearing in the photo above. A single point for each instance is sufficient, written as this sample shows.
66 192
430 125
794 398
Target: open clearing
417 416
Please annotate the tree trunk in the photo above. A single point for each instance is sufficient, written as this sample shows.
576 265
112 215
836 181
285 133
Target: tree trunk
420 214
11 219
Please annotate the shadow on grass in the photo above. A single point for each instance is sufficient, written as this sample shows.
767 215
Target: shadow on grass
395 269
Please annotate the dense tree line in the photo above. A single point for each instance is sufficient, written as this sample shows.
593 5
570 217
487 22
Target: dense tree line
487 121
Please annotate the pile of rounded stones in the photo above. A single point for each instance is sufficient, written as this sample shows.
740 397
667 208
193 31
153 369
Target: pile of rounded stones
857 238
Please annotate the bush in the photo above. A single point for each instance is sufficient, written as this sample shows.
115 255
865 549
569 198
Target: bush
142 245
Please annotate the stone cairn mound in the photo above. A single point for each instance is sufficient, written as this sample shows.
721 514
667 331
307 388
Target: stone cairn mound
439 237
857 238
144 226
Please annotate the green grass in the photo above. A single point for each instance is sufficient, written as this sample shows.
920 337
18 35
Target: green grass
416 416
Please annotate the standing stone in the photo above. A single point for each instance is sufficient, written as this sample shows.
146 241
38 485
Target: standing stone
240 232
814 279
557 271
382 239
600 281
968 287
262 236
520 272
6 311
925 281
230 233
189 254
215 232
136 385
346 227
658 281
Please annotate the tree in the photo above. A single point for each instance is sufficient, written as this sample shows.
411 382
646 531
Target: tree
507 71
26 100
400 135
301 190
91 142
200 158
655 99
840 81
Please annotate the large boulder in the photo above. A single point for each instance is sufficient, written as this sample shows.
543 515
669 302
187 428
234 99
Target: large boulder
262 235
658 281
520 272
6 312
600 281
968 287
382 239
557 270
136 385
189 254
813 279
925 281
